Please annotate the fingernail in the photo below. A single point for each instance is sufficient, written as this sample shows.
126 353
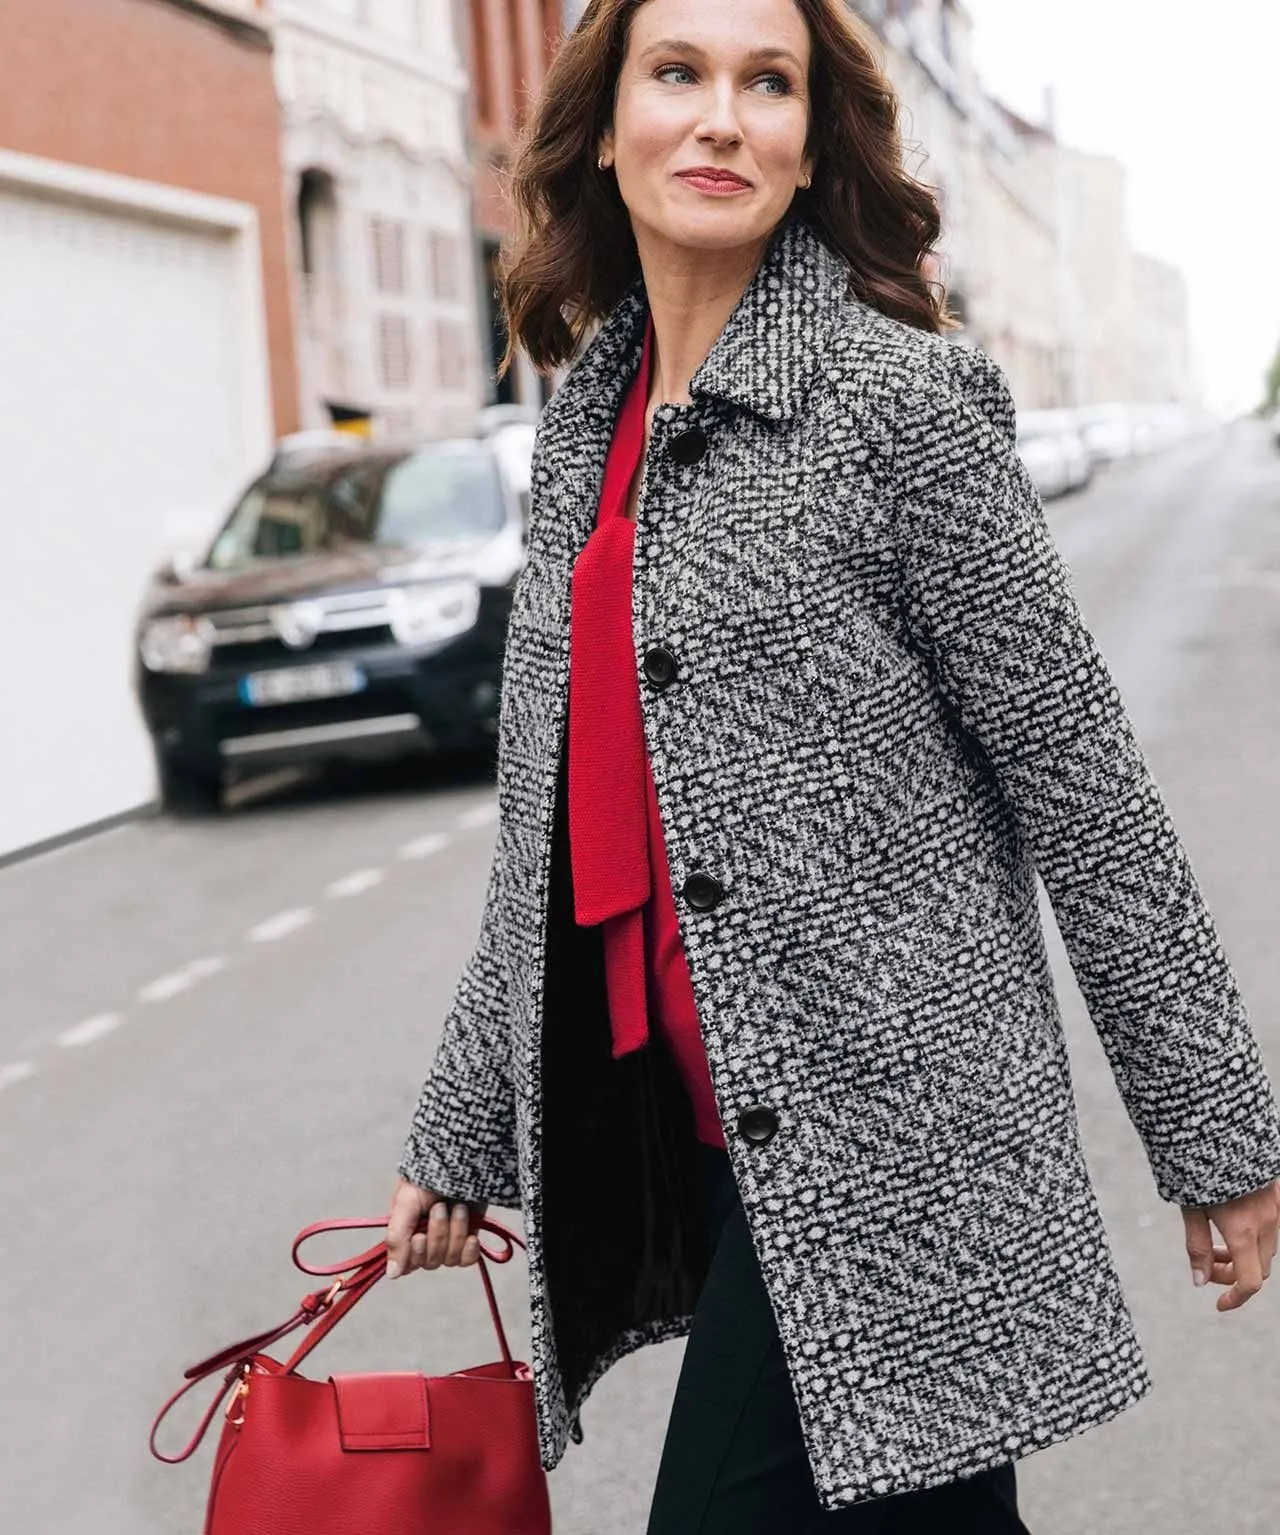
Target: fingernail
1199 1278
393 1269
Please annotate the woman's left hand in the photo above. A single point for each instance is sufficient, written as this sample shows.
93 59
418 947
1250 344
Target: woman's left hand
1249 1227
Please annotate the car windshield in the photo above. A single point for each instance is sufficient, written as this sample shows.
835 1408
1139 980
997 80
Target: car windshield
439 493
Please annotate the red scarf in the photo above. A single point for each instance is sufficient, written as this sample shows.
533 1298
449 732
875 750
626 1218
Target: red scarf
608 760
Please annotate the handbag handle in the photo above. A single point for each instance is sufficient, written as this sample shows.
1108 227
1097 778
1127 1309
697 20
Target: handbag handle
321 1311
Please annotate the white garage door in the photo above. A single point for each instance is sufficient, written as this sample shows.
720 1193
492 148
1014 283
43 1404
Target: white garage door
124 372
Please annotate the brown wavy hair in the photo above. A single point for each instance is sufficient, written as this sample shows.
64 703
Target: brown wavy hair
573 254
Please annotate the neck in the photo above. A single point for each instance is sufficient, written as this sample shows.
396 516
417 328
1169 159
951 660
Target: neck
691 295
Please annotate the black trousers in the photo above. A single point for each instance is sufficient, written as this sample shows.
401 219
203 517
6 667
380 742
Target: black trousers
734 1461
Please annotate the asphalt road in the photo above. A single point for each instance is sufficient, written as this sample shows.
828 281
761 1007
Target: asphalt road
212 1034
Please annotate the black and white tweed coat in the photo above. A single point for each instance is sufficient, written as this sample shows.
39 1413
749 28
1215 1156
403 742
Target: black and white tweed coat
886 717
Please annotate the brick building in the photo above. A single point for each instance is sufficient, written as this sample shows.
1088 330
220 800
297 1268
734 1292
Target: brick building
510 44
147 356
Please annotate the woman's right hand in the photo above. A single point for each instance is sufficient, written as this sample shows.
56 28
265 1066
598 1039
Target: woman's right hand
447 1239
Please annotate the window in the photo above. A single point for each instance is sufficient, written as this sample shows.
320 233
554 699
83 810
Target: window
451 353
395 352
445 265
278 518
387 244
440 493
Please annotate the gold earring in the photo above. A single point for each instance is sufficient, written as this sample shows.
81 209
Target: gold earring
600 165
806 183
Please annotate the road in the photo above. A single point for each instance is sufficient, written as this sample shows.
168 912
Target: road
211 1034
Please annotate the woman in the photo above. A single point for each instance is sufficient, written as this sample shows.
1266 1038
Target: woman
797 701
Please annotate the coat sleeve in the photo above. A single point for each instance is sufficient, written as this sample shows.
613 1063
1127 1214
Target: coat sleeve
990 600
461 1141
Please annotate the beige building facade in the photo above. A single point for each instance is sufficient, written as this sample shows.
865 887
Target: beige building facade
993 176
1098 255
1036 249
373 95
1164 368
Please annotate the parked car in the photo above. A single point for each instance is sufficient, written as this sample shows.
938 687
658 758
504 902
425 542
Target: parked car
353 604
1054 452
1108 431
514 448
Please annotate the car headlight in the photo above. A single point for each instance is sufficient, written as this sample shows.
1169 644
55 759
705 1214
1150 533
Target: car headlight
436 611
177 644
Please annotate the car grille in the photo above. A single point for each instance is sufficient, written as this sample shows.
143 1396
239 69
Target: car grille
286 632
244 655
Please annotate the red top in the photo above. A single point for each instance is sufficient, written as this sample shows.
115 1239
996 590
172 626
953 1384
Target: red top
619 861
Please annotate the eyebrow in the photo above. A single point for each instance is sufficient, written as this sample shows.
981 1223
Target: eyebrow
756 56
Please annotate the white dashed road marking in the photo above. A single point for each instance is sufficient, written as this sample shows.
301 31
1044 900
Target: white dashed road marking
202 969
178 981
166 986
92 1028
355 884
423 847
281 925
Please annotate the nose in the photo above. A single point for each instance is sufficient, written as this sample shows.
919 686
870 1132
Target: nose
719 123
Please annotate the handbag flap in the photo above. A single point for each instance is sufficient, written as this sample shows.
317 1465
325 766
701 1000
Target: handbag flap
382 1412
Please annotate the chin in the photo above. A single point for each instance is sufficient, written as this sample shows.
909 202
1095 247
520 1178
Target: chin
716 228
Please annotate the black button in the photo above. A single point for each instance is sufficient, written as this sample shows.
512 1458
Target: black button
757 1124
702 892
659 666
689 446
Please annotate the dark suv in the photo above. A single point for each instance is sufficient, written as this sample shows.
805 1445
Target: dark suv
354 604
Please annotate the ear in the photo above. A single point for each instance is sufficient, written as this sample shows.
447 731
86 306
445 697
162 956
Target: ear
806 172
604 149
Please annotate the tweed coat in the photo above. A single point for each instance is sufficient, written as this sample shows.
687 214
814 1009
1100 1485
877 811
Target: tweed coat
886 717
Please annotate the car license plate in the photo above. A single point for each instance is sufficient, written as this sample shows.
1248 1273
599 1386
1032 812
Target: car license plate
293 684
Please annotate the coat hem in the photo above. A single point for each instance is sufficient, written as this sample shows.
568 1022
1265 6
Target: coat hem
554 1441
1036 1436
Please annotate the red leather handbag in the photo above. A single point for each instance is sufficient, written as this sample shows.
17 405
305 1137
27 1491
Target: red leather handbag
399 1454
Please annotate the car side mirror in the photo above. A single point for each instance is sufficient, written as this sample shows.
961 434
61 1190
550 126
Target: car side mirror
178 567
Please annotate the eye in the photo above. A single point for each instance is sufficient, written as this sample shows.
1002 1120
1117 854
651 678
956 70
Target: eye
674 69
778 85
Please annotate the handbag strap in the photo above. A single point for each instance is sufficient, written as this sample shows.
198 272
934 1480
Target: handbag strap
320 1312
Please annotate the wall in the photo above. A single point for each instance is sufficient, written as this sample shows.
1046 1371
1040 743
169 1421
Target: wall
162 94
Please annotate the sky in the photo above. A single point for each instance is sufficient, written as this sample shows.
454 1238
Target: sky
1185 96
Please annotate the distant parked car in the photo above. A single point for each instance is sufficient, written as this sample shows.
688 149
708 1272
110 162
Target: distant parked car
1054 452
1107 431
494 418
354 604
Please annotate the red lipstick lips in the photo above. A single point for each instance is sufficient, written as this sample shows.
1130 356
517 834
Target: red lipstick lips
709 178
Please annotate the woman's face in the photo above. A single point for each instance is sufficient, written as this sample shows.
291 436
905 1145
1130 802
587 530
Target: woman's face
711 120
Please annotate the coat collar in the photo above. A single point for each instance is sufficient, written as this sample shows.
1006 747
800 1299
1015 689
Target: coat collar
774 340
762 360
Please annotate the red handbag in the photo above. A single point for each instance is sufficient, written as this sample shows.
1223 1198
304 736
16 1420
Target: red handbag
400 1454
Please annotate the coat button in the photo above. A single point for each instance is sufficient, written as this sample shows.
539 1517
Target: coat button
688 447
757 1124
659 666
702 892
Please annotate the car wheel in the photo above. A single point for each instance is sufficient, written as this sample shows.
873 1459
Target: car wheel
186 790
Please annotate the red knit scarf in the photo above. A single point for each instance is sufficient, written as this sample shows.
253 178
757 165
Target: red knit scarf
608 762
